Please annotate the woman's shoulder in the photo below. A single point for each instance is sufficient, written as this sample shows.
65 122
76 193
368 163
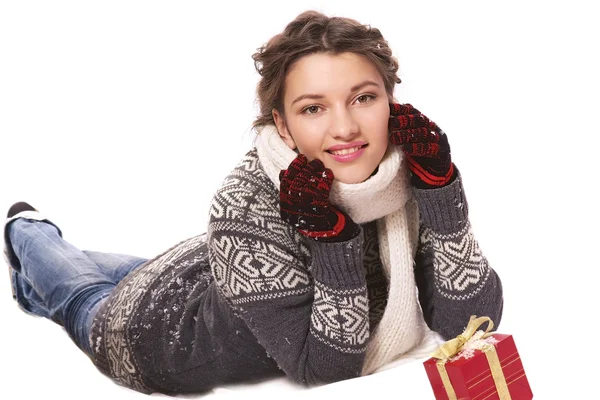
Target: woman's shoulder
247 184
246 206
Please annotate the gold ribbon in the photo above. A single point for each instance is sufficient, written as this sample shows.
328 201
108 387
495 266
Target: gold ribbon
454 346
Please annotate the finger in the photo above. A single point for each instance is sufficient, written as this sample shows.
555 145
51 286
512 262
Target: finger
417 121
301 178
410 121
296 166
291 177
291 188
428 150
325 182
317 172
402 109
328 176
444 144
317 178
315 167
321 177
319 185
286 193
296 199
418 135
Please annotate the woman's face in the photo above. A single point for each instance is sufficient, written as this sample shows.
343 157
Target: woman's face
336 109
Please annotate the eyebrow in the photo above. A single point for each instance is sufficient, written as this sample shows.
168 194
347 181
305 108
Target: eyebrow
320 96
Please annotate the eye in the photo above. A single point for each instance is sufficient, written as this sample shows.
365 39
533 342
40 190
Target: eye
366 98
313 108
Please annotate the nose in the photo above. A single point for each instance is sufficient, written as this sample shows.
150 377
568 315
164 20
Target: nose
343 125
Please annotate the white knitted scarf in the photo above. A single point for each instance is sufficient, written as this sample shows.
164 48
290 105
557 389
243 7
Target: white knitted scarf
386 197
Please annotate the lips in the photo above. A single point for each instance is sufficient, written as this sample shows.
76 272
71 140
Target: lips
347 152
346 148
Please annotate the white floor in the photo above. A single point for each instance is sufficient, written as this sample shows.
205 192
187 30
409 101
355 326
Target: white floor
120 119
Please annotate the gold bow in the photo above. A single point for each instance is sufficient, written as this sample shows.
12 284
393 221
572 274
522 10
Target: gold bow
453 346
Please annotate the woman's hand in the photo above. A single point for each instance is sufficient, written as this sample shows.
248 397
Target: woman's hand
424 144
304 202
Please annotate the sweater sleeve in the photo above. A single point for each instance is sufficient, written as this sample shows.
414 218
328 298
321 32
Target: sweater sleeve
305 302
454 278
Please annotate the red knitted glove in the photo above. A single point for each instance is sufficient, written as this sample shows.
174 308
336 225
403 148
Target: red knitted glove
304 202
425 145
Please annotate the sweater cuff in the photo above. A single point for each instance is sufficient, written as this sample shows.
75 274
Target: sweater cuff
444 209
339 265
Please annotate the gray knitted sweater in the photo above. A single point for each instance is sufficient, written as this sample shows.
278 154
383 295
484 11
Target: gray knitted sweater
252 298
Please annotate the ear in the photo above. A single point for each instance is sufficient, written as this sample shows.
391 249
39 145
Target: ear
284 133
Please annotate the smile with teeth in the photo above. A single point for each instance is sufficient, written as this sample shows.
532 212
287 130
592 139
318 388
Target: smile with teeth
345 151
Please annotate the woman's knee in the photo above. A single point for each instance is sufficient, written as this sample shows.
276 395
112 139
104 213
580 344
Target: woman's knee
23 229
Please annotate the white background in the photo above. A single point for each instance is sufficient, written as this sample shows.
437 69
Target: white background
119 120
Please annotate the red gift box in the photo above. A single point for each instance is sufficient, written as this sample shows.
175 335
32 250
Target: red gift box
470 371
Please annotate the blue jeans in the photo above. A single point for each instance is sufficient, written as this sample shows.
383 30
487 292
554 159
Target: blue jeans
60 282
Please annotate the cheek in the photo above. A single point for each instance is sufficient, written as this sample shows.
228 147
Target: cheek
383 124
309 141
376 116
376 123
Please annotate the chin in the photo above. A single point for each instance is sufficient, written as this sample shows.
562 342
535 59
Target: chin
350 177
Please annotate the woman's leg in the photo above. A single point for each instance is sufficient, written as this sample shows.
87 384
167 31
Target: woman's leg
114 265
56 280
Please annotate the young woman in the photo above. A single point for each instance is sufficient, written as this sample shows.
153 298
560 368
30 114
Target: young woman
332 248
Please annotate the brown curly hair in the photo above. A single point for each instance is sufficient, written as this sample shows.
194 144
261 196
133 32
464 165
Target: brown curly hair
314 32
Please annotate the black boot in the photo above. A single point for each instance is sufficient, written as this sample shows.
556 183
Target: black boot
18 207
9 255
